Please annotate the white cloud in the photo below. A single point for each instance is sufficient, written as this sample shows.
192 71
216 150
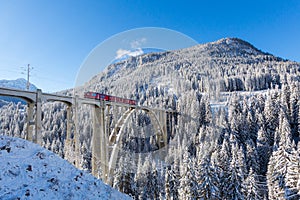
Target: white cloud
121 53
138 43
136 52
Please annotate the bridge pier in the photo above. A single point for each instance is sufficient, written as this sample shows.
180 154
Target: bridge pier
30 121
35 136
76 143
38 118
163 122
99 144
108 120
163 136
69 121
68 147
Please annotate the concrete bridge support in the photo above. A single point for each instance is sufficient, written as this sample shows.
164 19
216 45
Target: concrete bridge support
38 118
99 144
34 120
102 157
161 135
30 121
69 144
76 134
163 122
69 122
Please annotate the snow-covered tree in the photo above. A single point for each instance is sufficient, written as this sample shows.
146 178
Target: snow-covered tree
251 186
236 176
207 178
188 184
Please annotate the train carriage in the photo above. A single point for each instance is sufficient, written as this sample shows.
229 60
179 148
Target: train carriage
104 97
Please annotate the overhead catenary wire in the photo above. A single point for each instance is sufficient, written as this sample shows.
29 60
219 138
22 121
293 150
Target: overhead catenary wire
33 76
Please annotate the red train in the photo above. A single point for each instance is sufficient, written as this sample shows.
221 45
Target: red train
105 97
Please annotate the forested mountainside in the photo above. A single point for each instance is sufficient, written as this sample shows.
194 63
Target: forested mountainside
226 65
244 148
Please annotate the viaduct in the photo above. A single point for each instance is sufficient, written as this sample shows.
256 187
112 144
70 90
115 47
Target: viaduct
105 143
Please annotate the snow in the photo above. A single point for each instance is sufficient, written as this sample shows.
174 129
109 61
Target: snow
17 84
29 171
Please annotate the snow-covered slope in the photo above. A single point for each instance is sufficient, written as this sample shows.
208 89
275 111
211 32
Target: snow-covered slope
19 83
30 172
229 64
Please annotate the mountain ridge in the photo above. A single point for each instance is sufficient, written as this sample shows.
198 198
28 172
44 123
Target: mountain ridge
230 61
19 83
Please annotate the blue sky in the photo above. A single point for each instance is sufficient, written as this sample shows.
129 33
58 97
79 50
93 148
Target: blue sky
56 36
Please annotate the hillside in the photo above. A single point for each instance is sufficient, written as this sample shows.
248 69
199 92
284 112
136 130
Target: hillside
239 114
229 64
28 171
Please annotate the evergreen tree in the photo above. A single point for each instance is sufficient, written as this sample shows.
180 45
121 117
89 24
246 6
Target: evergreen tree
207 179
292 176
277 168
118 183
271 112
294 109
188 184
298 123
251 156
123 177
171 182
263 150
236 176
251 186
223 164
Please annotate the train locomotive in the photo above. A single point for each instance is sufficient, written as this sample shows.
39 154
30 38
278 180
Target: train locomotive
105 97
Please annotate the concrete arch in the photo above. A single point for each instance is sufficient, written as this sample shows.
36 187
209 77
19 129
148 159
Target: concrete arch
100 140
29 97
34 101
115 137
51 98
32 96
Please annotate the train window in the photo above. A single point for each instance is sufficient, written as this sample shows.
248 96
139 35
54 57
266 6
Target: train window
94 94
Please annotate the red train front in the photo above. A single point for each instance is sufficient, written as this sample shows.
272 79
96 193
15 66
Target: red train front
91 95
